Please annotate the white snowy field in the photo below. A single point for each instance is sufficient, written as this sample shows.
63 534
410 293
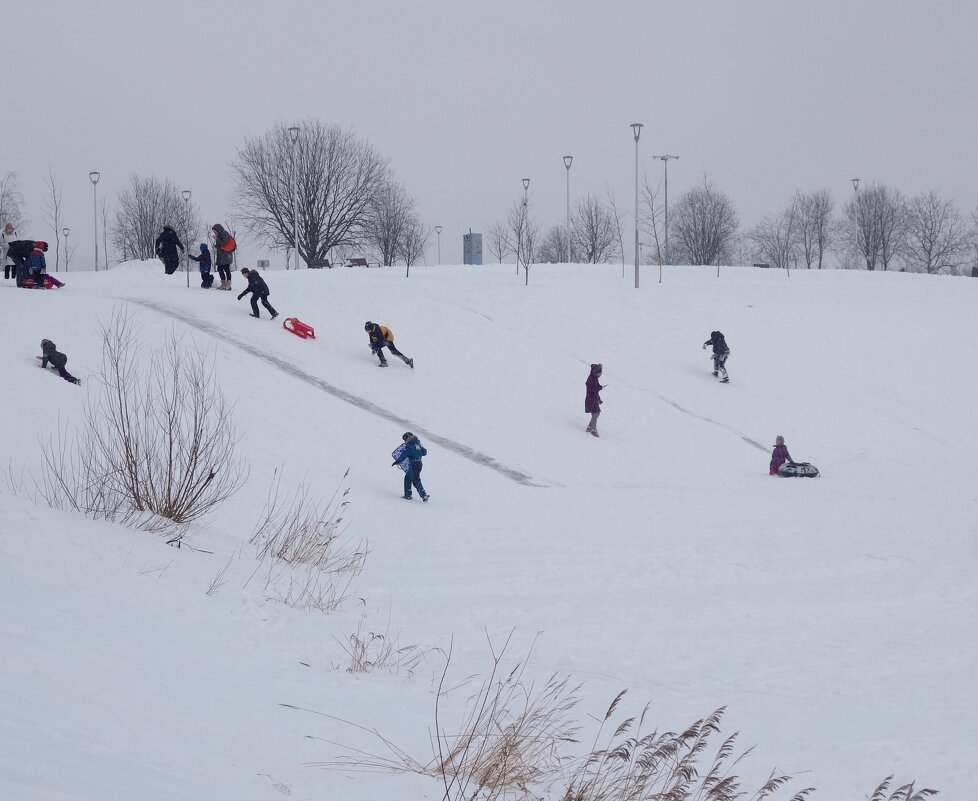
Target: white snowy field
836 618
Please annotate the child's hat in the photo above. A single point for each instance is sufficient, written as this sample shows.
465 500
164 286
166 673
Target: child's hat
407 435
203 247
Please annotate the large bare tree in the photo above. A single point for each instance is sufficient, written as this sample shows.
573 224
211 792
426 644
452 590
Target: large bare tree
776 238
594 231
11 202
873 224
815 231
324 184
552 247
142 209
935 237
704 225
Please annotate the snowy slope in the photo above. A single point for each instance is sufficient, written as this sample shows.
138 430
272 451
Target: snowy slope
836 618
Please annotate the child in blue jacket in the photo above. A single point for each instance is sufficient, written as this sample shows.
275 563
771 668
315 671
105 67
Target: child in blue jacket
408 458
204 260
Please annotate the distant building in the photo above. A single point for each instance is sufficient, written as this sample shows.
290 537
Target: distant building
471 248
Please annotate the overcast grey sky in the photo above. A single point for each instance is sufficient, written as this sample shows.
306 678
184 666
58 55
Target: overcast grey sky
467 98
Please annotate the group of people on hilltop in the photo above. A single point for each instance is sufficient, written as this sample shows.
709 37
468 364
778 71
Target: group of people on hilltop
169 247
23 260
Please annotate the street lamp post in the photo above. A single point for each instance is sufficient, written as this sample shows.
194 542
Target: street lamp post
665 165
186 234
294 134
66 231
859 219
567 164
438 232
93 176
637 131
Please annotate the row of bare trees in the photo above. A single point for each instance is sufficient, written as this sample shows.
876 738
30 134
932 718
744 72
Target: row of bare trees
879 229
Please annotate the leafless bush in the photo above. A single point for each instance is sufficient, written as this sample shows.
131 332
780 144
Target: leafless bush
302 556
11 201
219 579
158 447
776 237
380 651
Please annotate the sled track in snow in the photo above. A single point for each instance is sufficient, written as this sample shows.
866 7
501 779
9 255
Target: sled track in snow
361 403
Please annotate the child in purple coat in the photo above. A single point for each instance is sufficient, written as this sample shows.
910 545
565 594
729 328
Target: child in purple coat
592 400
780 455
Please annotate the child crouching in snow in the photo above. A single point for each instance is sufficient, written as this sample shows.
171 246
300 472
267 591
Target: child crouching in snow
58 360
780 455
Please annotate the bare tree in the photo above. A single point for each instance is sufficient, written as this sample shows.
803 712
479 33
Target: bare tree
705 225
11 202
935 236
335 175
51 211
973 238
103 208
143 208
776 238
616 217
499 244
552 247
873 225
391 211
413 241
652 212
815 225
525 233
594 231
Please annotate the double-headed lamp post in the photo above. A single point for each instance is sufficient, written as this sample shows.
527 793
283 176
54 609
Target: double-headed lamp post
93 176
66 230
567 163
637 131
186 193
665 165
294 135
438 233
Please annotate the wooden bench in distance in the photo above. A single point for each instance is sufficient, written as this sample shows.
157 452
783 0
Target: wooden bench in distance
357 262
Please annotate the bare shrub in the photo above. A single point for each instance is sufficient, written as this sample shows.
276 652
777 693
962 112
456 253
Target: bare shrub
380 651
158 447
905 792
508 738
304 560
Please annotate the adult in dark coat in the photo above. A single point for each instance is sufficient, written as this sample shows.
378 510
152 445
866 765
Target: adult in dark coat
19 251
223 258
720 355
259 291
592 401
166 249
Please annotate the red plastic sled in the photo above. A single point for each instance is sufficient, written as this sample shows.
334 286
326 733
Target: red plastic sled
302 330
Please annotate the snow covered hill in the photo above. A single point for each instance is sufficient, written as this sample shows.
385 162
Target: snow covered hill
836 618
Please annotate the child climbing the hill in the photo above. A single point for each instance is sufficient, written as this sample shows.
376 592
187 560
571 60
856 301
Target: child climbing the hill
780 455
720 354
259 291
408 457
381 337
592 400
204 260
58 360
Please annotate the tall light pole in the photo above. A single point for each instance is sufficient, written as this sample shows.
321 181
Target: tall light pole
438 232
93 176
186 234
665 165
859 217
294 134
66 231
637 130
567 164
